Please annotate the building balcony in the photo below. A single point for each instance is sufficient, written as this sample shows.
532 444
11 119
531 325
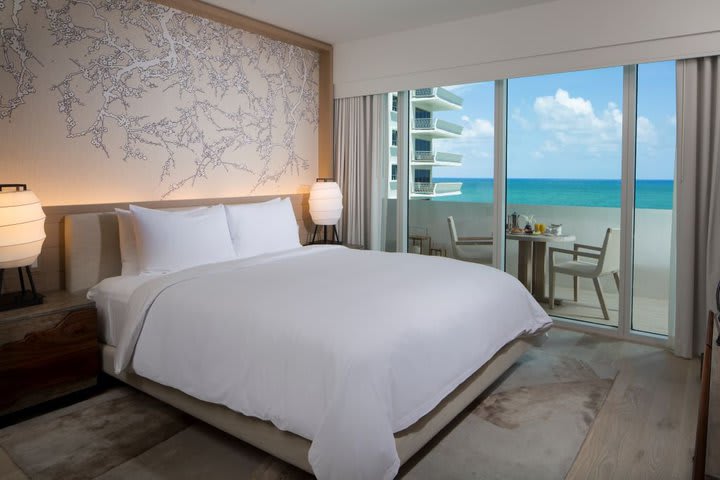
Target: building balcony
436 99
437 159
392 189
430 128
393 116
393 151
432 189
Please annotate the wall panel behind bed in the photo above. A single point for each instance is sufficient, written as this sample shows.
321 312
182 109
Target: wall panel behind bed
107 101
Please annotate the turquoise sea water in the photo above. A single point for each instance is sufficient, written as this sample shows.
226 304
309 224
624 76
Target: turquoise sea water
655 194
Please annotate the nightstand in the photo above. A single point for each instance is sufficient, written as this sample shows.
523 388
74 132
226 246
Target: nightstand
47 351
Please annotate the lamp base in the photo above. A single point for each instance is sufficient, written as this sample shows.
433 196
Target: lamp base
23 298
334 239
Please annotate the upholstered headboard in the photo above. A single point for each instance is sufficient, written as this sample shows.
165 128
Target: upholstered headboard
92 245
92 249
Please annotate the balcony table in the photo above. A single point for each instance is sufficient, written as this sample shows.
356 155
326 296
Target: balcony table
419 240
534 248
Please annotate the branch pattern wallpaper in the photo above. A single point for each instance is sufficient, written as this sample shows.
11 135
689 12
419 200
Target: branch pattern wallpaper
169 104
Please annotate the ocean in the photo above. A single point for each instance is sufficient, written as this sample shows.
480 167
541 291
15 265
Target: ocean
656 194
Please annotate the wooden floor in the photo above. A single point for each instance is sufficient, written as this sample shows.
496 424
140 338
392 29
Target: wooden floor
649 314
644 430
646 426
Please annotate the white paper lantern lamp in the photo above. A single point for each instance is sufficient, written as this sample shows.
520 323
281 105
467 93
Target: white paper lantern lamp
326 208
22 233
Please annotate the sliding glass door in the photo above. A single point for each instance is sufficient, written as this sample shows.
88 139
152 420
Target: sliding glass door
565 180
564 166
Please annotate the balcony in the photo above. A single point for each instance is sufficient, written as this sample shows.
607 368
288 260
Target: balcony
651 271
436 99
430 128
438 159
432 189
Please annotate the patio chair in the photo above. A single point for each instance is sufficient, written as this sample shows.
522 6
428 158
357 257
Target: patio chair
465 248
604 260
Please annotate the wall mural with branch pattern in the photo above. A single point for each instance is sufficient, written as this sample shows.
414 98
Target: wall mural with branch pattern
128 100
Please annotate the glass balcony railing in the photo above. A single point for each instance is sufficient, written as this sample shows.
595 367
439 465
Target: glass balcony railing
436 124
440 93
427 157
436 189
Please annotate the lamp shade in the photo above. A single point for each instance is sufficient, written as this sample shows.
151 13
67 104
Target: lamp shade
325 203
22 228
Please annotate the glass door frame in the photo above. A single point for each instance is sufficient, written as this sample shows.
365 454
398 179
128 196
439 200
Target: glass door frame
403 171
627 208
627 202
627 223
500 173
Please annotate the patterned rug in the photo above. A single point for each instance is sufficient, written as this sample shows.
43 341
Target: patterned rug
530 425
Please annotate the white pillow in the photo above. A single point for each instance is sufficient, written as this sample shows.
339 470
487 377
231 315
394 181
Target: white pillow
128 245
171 241
258 228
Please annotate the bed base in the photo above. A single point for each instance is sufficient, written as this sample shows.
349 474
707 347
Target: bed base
294 449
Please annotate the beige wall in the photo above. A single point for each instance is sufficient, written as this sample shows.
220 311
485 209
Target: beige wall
556 36
139 102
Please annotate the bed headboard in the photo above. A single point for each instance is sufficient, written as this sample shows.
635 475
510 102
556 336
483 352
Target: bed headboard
91 248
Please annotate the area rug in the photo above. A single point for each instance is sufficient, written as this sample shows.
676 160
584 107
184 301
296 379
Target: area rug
91 437
530 425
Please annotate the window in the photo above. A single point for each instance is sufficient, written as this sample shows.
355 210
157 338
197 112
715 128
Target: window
451 165
422 175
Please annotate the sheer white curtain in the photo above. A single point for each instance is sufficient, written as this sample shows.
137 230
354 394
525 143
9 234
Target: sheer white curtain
698 200
362 149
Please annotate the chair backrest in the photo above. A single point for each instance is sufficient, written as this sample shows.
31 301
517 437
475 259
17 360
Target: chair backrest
610 256
480 253
453 236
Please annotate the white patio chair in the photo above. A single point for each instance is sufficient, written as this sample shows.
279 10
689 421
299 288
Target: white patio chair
466 248
604 260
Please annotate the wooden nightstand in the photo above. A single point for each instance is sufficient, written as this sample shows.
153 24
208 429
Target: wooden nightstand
47 351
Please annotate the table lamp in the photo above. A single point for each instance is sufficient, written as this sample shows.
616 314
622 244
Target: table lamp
22 233
325 209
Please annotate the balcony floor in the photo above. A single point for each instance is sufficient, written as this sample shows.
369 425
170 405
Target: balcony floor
650 314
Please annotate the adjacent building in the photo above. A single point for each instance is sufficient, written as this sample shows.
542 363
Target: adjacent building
424 128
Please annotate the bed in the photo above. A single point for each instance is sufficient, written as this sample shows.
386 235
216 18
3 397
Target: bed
337 372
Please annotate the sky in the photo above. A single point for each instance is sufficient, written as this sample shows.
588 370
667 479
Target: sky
567 125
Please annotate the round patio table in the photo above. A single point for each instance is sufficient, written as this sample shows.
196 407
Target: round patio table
533 248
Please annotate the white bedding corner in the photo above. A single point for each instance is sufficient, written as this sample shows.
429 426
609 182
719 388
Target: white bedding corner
111 297
342 347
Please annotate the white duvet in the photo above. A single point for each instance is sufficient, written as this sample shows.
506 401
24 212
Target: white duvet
342 347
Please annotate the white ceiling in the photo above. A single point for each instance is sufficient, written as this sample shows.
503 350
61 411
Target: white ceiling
338 21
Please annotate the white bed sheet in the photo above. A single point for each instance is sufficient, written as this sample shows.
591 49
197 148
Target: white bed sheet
339 346
111 297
